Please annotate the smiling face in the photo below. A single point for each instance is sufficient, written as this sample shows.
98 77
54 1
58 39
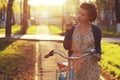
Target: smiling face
83 16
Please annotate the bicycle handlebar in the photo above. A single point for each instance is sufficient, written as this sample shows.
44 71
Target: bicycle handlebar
59 52
49 54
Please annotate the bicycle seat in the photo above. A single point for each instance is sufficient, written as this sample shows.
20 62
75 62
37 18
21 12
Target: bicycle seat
62 64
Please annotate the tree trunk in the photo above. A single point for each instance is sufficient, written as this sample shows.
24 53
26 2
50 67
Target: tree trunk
25 17
117 5
9 19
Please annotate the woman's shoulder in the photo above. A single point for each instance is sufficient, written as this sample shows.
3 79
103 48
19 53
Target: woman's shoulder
96 28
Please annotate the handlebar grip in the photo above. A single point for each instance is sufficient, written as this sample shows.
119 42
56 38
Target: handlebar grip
93 51
46 56
49 54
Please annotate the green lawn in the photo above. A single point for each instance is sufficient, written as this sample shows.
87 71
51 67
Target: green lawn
56 29
105 33
15 58
32 29
17 28
110 62
111 32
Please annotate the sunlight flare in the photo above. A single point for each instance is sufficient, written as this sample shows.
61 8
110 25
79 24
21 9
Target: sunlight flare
46 2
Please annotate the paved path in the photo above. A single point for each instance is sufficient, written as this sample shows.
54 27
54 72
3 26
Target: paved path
46 68
111 40
53 37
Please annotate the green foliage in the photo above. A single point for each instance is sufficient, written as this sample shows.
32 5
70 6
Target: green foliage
31 29
12 57
16 8
2 30
110 62
3 3
111 32
17 28
102 4
56 29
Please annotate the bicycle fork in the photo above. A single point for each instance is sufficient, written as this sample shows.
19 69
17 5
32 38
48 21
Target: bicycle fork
65 69
71 73
63 74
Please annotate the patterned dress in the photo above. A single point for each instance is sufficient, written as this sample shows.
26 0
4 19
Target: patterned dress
85 68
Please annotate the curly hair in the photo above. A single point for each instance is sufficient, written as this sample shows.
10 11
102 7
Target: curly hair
92 10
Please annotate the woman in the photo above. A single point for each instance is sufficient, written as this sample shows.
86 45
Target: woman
82 37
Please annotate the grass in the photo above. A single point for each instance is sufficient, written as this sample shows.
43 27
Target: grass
16 29
111 32
110 62
2 30
56 29
105 33
13 56
32 29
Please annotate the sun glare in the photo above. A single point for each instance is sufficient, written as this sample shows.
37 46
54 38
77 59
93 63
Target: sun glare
87 1
46 2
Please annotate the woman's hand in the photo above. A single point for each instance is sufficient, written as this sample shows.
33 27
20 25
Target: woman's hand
70 21
97 57
68 24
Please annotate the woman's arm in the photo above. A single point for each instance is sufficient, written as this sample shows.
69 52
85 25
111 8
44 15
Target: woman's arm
97 38
68 38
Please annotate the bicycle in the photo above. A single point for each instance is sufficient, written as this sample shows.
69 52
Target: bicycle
64 66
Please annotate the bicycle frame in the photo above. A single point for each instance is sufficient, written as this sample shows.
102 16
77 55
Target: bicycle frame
63 66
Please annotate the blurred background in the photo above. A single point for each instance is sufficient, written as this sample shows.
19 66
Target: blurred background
55 12
31 17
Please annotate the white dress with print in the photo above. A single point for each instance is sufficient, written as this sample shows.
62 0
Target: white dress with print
85 68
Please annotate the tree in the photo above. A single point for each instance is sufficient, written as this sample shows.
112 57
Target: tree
117 6
9 19
106 9
3 5
25 17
